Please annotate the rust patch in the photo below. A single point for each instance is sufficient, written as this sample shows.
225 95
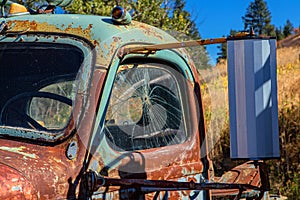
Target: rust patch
33 25
26 25
246 173
96 43
14 186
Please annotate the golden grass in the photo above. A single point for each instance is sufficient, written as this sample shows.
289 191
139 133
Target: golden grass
288 72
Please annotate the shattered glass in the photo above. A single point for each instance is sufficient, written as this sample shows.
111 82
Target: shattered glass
145 109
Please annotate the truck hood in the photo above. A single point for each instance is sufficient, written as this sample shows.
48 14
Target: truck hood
13 185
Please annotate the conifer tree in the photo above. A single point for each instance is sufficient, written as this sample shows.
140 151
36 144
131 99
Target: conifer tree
279 33
288 28
223 48
258 17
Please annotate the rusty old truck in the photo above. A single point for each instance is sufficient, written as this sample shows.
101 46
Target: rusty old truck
99 107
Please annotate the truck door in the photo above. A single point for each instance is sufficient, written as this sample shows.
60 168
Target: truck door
147 126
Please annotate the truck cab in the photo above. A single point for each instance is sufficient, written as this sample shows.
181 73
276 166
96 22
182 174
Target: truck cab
79 110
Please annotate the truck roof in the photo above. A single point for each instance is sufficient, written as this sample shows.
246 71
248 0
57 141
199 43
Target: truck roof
100 31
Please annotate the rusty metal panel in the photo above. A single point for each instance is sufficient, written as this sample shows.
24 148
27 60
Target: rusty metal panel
248 173
14 185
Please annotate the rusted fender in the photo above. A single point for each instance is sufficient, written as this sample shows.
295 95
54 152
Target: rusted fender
15 186
246 173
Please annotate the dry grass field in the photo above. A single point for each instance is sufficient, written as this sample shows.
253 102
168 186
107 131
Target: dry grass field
285 172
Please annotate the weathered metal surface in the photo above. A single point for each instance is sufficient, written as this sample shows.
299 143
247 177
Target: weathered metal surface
44 165
154 192
100 31
15 186
45 168
247 173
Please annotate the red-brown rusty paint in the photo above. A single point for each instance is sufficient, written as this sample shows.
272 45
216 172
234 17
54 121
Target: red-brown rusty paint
148 30
14 185
45 167
28 26
243 174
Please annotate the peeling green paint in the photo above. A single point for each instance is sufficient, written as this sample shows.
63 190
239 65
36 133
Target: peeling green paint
18 150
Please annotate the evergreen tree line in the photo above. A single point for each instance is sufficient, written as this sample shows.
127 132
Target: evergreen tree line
258 17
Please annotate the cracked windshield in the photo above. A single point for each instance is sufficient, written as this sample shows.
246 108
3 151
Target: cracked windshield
145 109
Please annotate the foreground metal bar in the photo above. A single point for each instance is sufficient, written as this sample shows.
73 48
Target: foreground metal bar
156 47
173 184
95 181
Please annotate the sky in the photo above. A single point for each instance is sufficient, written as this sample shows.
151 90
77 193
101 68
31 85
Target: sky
215 18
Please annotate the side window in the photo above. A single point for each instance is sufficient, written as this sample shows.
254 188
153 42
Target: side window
145 109
37 89
51 105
